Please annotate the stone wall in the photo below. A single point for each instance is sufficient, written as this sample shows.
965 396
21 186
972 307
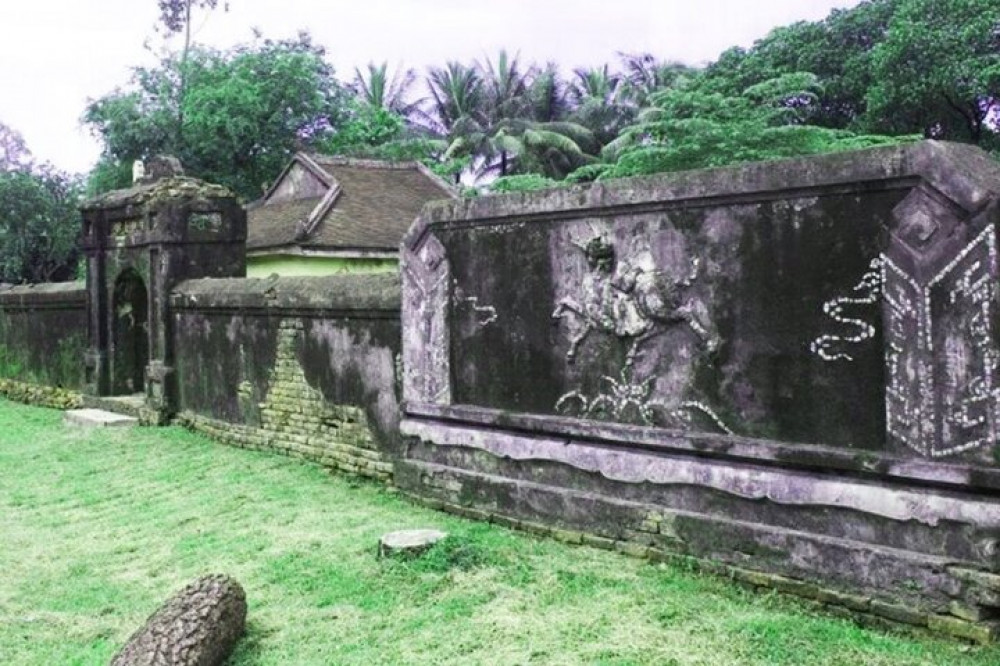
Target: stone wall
784 367
785 372
43 336
304 366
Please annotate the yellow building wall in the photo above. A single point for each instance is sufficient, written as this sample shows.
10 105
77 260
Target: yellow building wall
316 266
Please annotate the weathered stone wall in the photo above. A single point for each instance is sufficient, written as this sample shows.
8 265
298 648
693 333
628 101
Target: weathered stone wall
784 367
43 334
787 372
305 366
139 243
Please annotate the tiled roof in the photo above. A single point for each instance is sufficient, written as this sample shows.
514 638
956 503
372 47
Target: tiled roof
277 224
376 205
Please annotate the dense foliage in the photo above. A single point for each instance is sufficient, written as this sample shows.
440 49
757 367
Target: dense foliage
14 153
881 72
39 225
243 113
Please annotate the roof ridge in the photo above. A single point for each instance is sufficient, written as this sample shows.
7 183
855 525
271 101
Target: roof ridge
364 163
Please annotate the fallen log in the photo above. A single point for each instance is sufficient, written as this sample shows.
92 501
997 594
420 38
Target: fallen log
199 626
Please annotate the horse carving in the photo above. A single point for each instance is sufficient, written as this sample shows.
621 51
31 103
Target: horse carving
631 300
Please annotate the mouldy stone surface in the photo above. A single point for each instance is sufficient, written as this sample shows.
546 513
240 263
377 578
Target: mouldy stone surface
304 366
199 626
789 367
43 333
139 244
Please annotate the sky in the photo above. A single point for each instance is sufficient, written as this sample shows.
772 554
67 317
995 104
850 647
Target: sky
58 54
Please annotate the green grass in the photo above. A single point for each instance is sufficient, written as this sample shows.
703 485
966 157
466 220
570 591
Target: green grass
98 527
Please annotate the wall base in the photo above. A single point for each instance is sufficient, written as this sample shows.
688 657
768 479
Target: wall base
40 395
916 570
319 447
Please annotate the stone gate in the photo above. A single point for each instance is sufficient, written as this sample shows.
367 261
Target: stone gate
138 244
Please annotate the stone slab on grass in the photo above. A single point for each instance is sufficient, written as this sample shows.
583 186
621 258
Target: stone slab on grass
97 418
408 543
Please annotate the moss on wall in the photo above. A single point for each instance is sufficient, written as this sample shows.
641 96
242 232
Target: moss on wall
296 420
43 331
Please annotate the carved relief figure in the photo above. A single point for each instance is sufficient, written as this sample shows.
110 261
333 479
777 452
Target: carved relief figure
630 299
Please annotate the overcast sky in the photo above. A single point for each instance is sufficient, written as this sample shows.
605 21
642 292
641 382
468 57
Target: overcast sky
57 54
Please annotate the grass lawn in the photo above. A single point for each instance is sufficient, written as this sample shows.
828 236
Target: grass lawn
100 526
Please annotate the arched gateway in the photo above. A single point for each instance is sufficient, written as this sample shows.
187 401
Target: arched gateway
129 333
139 243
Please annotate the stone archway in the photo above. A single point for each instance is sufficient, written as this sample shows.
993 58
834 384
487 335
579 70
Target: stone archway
130 335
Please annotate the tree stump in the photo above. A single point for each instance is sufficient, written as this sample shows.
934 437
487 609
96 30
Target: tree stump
199 626
408 543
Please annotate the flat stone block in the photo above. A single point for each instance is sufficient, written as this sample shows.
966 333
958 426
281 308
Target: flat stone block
97 418
980 633
408 542
898 613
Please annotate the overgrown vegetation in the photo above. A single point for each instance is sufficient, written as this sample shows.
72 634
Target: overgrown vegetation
62 369
100 526
39 221
231 117
882 72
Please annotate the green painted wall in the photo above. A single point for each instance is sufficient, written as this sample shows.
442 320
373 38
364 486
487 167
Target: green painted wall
314 266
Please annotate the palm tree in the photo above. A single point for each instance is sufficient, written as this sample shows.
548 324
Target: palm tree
377 89
456 97
548 96
552 149
505 87
469 103
601 102
646 74
507 118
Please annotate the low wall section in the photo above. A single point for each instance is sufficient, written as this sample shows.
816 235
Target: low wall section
43 335
304 366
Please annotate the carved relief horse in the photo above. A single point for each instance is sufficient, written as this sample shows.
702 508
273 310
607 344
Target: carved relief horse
631 301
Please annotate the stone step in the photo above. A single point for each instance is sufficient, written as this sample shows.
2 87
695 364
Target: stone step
97 418
128 405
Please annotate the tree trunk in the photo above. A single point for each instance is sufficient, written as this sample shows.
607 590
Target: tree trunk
199 626
183 91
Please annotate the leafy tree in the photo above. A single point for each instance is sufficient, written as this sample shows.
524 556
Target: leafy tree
245 111
837 50
367 128
692 127
14 153
175 17
39 225
108 174
937 70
